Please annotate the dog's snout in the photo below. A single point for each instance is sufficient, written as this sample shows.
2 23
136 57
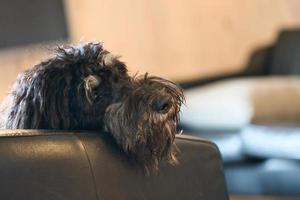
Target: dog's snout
162 105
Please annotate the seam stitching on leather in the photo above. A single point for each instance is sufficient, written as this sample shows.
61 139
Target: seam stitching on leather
90 165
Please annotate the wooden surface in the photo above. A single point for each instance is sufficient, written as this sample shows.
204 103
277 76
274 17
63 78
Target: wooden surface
261 198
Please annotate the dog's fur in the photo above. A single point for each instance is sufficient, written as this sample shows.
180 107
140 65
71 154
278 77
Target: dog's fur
87 88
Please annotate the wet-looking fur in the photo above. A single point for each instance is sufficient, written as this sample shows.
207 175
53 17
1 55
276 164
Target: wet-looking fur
87 88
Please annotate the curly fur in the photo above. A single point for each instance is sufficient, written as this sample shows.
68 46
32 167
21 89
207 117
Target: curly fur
87 88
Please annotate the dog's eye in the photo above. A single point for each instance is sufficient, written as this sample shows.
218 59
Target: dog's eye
162 105
165 107
95 94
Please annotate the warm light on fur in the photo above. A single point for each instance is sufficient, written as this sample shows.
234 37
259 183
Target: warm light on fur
87 88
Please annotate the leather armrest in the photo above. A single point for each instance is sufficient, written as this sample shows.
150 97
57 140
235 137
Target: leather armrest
39 164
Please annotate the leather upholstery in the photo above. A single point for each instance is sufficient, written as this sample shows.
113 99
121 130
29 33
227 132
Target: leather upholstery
44 165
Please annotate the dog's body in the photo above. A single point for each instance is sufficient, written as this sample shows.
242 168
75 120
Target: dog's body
87 88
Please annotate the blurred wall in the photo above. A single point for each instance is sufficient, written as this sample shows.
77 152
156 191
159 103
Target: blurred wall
182 39
178 39
15 60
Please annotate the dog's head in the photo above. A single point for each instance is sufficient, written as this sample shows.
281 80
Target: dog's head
141 112
144 120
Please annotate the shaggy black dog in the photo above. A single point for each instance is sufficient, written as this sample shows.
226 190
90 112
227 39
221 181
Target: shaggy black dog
87 88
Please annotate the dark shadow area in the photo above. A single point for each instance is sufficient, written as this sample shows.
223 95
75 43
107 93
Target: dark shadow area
31 21
279 58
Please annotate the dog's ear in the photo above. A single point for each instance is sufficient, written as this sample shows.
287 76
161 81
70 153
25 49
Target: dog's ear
91 84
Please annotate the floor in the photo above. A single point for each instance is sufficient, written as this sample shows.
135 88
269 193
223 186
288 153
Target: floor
261 198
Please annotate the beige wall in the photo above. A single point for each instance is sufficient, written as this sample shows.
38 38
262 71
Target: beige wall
178 39
182 39
16 60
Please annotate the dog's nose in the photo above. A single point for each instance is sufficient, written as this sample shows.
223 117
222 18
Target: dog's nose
162 105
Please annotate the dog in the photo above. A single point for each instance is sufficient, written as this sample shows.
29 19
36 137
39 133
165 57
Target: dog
85 87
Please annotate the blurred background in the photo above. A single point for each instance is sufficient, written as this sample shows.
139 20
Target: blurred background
238 62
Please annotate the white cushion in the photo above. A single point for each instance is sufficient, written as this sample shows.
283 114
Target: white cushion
220 106
232 104
271 141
